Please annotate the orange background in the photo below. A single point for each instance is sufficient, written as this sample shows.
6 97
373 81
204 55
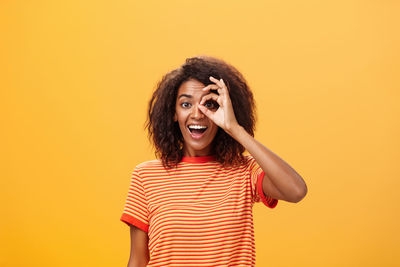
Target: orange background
75 79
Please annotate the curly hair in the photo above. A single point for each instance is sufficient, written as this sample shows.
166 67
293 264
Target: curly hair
164 132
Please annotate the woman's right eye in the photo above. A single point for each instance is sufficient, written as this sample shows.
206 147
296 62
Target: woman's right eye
185 105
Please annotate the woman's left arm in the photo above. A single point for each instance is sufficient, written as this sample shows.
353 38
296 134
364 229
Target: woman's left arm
280 180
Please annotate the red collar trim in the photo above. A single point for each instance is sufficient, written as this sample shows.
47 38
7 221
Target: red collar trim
198 159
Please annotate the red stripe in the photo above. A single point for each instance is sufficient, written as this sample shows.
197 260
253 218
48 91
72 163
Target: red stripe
268 201
199 214
128 219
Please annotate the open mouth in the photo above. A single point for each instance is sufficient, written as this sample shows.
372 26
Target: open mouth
197 130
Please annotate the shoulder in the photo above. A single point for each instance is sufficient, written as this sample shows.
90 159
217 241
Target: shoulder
148 169
149 165
249 159
249 162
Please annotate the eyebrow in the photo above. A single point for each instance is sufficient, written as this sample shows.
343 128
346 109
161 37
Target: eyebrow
185 95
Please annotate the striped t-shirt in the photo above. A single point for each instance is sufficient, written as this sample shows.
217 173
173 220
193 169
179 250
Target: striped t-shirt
199 214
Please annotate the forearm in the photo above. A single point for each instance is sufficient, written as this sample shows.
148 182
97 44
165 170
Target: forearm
139 255
137 263
138 258
282 175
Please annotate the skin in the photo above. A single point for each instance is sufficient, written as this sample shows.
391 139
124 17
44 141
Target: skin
187 112
281 181
139 256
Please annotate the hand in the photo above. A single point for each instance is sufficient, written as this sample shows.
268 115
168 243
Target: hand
224 115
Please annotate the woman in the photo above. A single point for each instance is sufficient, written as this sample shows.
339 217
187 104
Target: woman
193 206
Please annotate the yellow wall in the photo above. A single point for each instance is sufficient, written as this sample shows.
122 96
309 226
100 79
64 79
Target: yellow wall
75 78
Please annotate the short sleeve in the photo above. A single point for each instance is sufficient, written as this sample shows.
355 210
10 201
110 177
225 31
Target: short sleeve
256 178
135 210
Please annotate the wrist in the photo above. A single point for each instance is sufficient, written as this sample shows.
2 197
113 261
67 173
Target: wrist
236 132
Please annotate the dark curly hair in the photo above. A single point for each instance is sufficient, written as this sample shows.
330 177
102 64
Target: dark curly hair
164 132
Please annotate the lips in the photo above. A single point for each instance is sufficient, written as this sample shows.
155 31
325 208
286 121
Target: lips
197 131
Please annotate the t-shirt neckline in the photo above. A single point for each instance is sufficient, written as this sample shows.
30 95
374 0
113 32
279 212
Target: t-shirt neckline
198 159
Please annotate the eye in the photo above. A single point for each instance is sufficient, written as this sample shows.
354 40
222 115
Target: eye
185 104
211 104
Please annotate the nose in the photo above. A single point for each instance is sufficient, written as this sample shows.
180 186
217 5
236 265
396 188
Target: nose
196 113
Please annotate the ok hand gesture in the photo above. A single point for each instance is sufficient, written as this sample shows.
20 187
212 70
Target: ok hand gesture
223 116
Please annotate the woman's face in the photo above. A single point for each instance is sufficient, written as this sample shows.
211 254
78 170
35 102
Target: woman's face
197 129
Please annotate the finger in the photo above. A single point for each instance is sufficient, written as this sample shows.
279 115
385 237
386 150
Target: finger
212 96
221 91
218 82
211 87
214 87
224 87
207 112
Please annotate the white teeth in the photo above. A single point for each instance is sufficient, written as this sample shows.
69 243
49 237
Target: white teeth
197 127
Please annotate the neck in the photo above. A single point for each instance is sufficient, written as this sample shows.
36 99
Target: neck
196 153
